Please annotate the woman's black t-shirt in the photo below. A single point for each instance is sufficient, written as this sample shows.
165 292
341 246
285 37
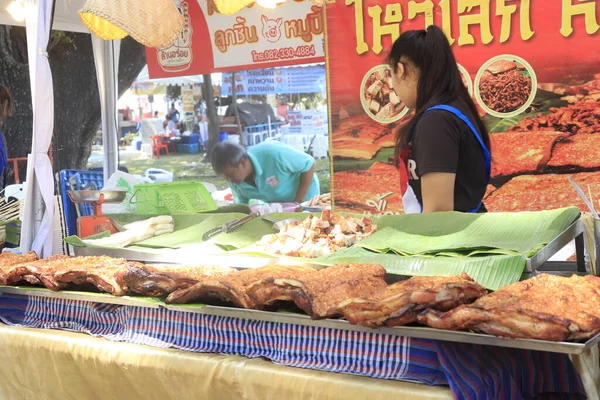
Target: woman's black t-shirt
444 143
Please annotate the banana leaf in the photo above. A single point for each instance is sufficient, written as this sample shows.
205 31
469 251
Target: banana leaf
93 296
542 103
492 272
475 234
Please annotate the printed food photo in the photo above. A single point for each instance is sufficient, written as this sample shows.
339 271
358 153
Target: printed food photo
505 85
378 97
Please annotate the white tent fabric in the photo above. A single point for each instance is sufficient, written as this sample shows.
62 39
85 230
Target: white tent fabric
65 16
144 77
106 58
36 233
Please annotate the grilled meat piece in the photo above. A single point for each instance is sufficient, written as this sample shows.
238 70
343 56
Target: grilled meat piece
8 260
401 303
232 288
101 272
267 292
546 307
29 271
322 294
161 280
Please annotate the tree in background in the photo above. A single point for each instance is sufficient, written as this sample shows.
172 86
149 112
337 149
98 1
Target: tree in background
211 115
77 115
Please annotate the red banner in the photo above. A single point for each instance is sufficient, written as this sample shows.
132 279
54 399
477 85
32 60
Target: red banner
550 48
253 38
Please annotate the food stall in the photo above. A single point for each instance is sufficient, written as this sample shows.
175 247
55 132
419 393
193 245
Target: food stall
160 286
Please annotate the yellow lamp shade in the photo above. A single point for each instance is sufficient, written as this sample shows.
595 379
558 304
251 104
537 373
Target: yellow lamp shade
230 7
153 23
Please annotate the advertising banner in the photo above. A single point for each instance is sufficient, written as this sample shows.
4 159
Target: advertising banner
187 96
277 81
533 68
254 38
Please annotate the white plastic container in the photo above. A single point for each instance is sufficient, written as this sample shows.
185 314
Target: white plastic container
159 175
234 139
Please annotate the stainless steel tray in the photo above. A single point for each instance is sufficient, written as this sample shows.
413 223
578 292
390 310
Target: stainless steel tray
299 319
573 232
93 196
171 256
182 256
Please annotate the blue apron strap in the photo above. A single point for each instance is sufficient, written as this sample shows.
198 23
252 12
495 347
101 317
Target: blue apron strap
486 152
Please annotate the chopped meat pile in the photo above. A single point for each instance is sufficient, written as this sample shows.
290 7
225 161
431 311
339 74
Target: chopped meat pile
583 117
380 97
316 236
588 92
546 307
505 91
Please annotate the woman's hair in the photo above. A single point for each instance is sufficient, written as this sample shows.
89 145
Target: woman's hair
440 81
227 154
6 103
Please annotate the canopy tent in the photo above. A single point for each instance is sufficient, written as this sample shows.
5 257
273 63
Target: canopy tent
65 16
37 227
144 78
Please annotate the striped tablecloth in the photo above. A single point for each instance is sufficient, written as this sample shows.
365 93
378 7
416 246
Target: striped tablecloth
471 371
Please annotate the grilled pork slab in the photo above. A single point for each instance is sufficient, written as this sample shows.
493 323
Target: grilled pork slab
8 260
401 303
162 280
322 294
100 272
546 307
232 288
30 271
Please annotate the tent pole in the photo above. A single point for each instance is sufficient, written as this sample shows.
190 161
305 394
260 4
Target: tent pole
106 58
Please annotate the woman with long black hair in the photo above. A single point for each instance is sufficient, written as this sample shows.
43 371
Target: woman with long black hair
444 152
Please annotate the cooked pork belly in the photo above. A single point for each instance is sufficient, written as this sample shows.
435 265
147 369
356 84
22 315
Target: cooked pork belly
401 303
545 307
232 288
161 280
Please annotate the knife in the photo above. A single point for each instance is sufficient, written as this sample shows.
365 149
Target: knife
229 227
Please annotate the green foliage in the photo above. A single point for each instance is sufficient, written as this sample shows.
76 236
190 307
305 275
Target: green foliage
173 92
58 38
542 104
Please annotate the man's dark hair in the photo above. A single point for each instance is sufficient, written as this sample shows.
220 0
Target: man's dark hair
227 154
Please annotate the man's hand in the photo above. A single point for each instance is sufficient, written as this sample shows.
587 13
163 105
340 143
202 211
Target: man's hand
305 182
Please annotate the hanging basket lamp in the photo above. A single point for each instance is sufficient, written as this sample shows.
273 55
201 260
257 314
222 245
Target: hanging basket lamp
230 7
269 3
153 23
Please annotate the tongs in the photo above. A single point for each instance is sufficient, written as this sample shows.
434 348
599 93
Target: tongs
229 227
279 225
587 201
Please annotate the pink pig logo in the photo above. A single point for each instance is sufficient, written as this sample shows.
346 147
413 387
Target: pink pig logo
271 28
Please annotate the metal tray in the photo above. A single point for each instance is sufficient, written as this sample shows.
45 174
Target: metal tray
573 232
184 256
300 319
178 256
93 196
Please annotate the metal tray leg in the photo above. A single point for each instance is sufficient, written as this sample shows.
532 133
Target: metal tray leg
580 252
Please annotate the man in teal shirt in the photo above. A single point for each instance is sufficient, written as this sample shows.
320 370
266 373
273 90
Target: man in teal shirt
270 171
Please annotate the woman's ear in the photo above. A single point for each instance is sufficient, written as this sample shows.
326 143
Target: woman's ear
400 69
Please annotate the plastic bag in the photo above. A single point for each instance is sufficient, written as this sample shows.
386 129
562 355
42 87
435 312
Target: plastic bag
121 181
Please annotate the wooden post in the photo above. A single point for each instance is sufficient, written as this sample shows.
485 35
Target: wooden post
236 111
